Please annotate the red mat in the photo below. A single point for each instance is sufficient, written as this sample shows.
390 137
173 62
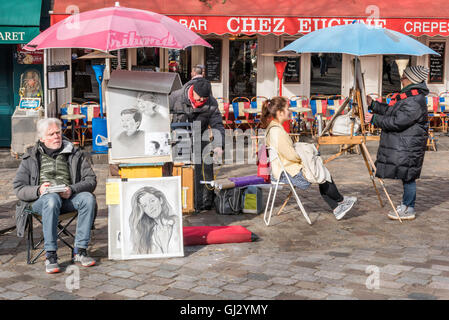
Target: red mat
200 235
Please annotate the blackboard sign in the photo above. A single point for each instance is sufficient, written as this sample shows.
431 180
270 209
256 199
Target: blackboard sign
213 60
123 58
436 63
292 71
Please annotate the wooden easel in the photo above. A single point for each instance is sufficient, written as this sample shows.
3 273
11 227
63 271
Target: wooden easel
359 108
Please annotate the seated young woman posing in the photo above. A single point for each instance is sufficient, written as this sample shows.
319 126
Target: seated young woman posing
274 113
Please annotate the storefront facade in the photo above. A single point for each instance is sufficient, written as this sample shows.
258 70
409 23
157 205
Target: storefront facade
241 65
19 24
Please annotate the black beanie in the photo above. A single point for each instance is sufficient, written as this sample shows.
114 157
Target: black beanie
202 87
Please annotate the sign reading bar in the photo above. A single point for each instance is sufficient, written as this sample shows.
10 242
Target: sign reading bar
436 63
213 60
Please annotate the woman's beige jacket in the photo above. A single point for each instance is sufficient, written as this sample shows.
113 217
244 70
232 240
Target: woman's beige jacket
278 138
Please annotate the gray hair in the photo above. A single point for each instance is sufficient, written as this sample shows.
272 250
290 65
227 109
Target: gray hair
199 69
43 124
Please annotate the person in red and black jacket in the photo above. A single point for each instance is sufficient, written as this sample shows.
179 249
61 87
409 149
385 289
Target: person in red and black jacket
404 136
194 103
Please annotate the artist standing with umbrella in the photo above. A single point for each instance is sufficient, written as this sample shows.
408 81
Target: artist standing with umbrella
404 136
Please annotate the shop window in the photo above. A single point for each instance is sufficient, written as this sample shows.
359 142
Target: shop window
84 83
391 82
242 68
148 59
325 74
180 61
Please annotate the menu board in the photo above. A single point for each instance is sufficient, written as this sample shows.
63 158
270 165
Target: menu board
436 63
292 70
213 60
123 59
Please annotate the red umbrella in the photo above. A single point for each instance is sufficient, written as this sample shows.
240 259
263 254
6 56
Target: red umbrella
115 28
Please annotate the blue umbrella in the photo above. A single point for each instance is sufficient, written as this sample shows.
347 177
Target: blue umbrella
360 40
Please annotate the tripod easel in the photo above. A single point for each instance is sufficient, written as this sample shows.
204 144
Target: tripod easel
358 97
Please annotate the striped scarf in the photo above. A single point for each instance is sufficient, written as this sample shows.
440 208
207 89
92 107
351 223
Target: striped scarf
404 95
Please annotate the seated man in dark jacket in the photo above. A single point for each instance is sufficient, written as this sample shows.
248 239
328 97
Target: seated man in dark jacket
194 103
54 161
404 136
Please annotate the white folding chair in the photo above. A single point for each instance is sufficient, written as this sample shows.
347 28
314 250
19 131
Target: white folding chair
274 156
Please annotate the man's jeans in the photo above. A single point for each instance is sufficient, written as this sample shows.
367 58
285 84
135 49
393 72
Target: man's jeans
409 197
50 205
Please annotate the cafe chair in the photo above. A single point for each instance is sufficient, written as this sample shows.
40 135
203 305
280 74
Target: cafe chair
90 110
435 114
241 118
297 122
318 104
334 102
223 106
70 108
444 108
272 157
256 103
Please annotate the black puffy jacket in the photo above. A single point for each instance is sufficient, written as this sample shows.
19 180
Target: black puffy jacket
208 114
404 135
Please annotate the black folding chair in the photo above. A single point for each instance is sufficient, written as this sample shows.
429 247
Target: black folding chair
64 221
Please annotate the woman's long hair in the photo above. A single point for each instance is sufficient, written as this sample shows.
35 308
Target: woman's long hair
141 224
270 107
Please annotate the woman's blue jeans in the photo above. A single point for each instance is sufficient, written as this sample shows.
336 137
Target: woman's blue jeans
50 205
409 196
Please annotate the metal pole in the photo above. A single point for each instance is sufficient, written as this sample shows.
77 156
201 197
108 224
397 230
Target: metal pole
45 84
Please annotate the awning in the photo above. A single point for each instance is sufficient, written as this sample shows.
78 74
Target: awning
16 35
292 8
298 25
19 21
417 17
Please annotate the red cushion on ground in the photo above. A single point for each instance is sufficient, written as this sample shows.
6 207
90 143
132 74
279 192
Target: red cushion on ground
215 234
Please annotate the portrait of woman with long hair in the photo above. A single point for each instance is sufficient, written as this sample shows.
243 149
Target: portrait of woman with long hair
154 226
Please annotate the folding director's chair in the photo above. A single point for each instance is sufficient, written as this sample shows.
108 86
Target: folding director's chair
274 156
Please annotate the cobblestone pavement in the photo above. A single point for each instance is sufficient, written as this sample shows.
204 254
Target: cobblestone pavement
328 260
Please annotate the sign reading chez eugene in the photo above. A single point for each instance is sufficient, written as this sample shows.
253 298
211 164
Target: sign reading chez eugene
295 25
